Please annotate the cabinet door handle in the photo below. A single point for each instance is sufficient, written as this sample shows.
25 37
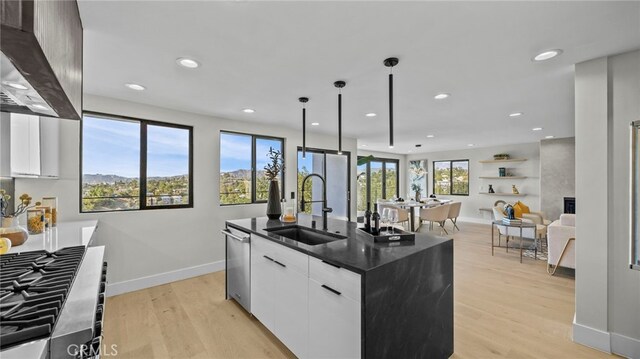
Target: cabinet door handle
269 258
331 264
331 289
280 264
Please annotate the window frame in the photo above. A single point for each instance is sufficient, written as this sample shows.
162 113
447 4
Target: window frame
384 175
142 196
433 177
254 169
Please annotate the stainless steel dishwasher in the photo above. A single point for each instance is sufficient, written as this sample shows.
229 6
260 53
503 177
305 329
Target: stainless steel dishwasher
238 262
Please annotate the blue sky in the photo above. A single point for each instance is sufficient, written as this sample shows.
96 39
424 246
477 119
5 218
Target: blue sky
113 147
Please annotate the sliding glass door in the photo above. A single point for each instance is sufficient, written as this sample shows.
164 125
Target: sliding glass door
334 168
377 179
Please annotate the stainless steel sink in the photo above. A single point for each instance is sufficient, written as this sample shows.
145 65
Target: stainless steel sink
308 236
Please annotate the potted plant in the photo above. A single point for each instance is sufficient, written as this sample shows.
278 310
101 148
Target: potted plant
416 188
11 229
272 171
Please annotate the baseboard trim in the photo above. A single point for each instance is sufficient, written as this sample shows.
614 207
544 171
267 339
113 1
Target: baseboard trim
625 346
591 337
163 278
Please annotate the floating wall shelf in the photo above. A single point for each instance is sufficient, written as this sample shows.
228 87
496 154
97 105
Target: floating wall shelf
505 177
504 161
503 194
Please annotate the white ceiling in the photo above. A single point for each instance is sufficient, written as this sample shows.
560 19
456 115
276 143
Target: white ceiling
264 55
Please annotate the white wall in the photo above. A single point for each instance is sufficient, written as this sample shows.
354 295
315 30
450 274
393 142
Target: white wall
472 203
165 245
607 290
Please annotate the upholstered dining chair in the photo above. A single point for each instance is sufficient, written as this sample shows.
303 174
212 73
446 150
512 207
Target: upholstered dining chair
454 212
403 214
437 214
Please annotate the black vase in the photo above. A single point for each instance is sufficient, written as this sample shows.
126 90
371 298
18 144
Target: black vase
274 209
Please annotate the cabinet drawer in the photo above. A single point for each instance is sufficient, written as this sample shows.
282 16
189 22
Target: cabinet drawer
289 257
342 280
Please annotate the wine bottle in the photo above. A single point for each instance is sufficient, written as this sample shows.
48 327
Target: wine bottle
367 218
376 220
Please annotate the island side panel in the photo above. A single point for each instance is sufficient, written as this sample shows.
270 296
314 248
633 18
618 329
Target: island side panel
409 306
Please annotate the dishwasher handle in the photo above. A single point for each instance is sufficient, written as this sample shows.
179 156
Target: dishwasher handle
228 233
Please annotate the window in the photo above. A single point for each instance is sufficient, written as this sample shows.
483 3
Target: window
377 179
451 177
132 164
242 161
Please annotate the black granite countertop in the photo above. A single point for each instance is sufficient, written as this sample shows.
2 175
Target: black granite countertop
358 252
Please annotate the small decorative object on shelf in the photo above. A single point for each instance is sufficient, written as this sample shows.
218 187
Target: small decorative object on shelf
514 189
502 172
11 229
272 171
491 189
501 156
35 221
52 202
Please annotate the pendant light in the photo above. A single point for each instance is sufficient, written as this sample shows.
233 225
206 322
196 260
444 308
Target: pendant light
390 63
304 100
339 85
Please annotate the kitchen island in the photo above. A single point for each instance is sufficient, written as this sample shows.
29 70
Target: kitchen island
351 297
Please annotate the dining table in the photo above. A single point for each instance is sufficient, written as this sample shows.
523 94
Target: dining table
411 205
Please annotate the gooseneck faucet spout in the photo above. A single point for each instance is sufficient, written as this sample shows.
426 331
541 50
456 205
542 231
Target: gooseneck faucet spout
325 209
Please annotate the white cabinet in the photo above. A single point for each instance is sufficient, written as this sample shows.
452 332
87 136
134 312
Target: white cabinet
279 292
34 146
334 311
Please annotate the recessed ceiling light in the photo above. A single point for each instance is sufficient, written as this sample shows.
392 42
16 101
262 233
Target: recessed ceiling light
537 129
135 87
188 63
315 123
410 151
471 145
431 136
37 105
371 114
549 136
363 145
546 55
16 85
515 114
248 110
441 96
390 146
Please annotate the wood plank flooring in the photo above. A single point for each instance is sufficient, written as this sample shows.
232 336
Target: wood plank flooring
503 309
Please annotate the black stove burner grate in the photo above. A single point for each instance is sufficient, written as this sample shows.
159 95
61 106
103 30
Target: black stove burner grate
33 288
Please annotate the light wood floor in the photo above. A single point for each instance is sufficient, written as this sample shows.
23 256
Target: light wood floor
503 309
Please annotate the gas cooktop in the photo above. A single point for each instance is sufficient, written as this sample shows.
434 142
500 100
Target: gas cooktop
33 288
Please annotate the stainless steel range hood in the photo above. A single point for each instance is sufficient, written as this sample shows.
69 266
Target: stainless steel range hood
41 65
16 93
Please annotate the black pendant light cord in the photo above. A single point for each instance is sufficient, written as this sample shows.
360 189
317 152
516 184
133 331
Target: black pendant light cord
304 100
339 85
390 63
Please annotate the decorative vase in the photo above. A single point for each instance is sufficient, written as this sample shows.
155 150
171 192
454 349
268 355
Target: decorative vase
274 209
12 230
417 196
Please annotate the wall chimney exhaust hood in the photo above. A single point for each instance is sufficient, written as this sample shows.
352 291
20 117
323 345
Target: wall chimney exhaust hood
41 60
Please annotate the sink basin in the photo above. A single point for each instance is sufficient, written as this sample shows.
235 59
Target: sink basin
305 235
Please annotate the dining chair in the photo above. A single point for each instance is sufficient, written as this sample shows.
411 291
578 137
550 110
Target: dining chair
437 214
454 213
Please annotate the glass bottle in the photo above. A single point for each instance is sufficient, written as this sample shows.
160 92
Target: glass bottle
35 221
52 202
376 220
367 218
